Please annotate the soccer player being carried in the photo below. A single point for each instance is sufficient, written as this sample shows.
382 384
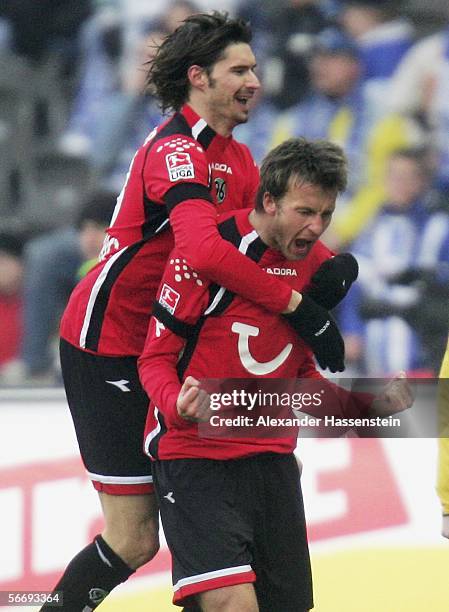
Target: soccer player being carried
231 507
188 169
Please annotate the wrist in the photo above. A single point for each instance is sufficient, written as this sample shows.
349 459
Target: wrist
295 301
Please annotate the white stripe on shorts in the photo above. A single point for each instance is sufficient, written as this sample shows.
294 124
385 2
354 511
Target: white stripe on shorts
120 479
229 571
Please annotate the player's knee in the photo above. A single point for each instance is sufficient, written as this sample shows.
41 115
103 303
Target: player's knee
145 553
141 545
136 553
135 543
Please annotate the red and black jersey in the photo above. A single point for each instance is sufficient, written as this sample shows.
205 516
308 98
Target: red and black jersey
227 337
182 161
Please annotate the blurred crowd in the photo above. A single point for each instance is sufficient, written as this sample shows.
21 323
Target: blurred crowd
371 75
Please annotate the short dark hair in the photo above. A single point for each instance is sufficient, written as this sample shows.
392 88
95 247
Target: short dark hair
200 40
11 244
97 207
317 162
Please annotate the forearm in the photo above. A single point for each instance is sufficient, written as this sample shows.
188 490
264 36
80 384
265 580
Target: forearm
159 378
194 225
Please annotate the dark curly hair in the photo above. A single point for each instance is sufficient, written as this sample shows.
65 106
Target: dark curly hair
200 40
318 162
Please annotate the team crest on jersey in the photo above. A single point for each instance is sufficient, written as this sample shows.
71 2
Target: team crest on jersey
169 298
220 189
179 166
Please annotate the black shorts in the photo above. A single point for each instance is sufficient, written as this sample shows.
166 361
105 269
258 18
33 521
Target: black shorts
109 409
233 522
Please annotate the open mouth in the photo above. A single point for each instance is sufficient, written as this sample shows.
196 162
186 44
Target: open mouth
302 244
243 101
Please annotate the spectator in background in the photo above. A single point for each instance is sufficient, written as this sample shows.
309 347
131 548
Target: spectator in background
128 115
38 28
11 282
420 90
93 219
338 108
395 317
111 115
415 78
440 127
175 13
97 79
52 264
334 107
294 28
331 9
260 14
381 33
5 34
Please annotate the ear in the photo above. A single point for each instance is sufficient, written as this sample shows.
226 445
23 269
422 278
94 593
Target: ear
197 77
269 205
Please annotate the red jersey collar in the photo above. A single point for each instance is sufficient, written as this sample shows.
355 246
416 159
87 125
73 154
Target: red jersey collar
201 130
244 226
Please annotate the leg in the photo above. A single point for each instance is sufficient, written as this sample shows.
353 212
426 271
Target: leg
281 555
241 597
131 527
109 425
129 540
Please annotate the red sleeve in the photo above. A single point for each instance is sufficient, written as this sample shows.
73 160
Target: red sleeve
194 225
184 295
157 371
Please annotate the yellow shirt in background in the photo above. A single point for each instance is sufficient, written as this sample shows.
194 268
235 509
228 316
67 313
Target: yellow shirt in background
443 441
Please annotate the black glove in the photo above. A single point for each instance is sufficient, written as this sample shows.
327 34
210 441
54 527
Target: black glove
319 331
332 280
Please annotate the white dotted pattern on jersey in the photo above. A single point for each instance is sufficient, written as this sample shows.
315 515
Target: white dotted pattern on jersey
180 145
184 271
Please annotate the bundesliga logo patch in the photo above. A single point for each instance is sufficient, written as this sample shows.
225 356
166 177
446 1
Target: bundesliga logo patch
169 298
179 166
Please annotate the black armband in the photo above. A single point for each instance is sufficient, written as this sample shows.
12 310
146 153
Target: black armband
178 327
186 191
